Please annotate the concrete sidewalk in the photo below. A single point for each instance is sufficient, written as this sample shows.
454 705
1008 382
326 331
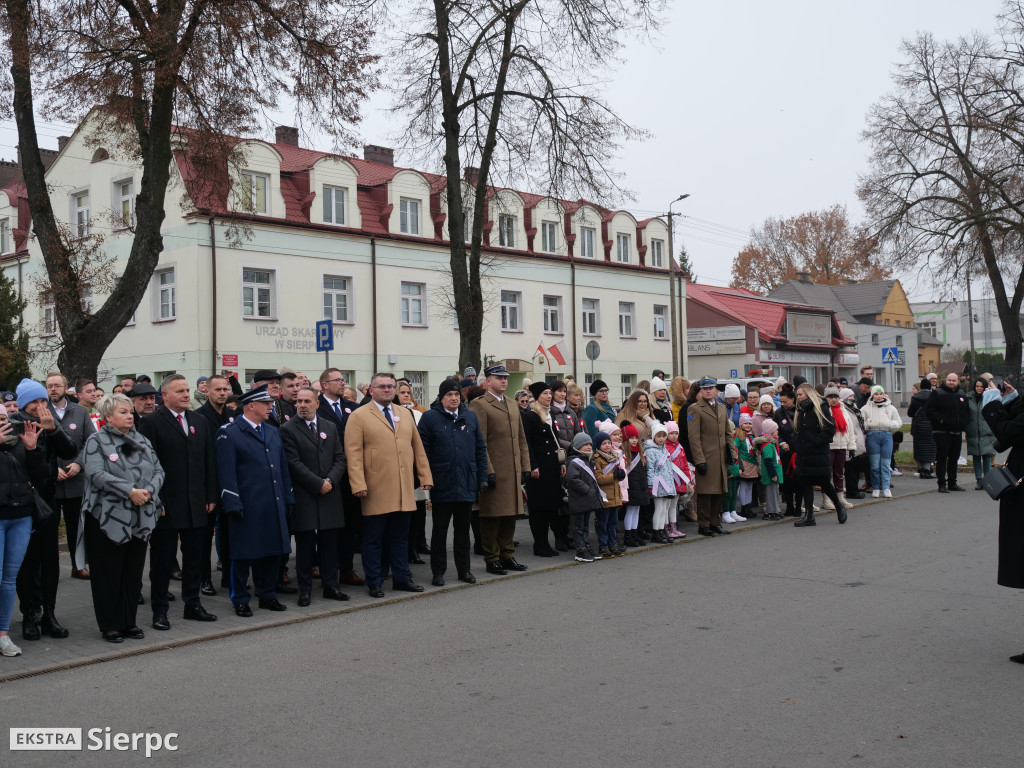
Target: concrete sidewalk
85 646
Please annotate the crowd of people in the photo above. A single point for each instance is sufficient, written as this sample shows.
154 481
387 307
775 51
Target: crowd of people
234 476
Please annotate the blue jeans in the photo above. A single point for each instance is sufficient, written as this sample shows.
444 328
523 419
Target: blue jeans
606 522
982 465
879 444
14 535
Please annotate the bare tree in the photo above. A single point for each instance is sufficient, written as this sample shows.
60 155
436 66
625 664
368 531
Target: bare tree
512 89
206 69
945 188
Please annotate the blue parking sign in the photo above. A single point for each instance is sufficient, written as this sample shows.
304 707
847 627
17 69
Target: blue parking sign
733 373
324 336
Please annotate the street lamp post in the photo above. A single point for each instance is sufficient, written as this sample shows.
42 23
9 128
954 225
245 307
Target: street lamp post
674 324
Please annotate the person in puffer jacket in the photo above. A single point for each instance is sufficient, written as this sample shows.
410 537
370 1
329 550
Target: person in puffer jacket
881 419
661 480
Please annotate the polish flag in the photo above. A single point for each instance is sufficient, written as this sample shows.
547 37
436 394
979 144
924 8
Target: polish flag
559 352
542 353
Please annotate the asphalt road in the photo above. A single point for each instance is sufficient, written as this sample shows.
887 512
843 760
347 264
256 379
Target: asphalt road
880 643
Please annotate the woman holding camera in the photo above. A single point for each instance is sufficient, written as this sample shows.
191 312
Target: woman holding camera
1003 409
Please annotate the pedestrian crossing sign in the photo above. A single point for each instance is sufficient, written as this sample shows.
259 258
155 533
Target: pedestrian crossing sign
890 354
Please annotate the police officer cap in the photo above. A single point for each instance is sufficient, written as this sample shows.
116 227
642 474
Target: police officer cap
496 370
257 395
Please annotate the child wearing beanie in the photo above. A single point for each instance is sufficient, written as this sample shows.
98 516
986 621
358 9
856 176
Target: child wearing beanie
684 479
661 481
585 496
636 477
609 473
771 470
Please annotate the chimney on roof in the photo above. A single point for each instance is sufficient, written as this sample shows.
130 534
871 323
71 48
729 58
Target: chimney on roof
287 134
803 277
471 175
373 153
61 141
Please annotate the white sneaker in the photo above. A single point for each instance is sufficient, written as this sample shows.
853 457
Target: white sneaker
827 504
887 493
816 508
896 472
845 503
875 494
728 518
737 517
7 646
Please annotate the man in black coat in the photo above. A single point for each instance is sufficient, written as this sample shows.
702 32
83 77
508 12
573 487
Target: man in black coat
217 413
316 461
272 379
949 414
284 408
182 441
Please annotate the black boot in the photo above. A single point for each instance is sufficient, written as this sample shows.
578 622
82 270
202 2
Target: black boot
841 513
806 522
51 626
30 624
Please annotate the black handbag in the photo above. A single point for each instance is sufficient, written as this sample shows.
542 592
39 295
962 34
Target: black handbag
999 482
41 511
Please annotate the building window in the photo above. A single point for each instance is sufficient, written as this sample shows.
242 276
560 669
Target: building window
587 243
5 236
336 299
80 201
929 327
467 225
590 317
660 313
506 230
874 339
126 196
87 299
627 386
418 382
626 309
49 315
549 236
167 307
254 192
511 310
334 204
899 341
412 303
657 253
409 217
257 293
622 248
552 314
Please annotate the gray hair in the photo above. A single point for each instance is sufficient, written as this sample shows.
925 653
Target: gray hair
108 403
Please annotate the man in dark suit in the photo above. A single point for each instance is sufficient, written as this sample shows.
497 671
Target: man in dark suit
316 462
217 414
182 442
256 490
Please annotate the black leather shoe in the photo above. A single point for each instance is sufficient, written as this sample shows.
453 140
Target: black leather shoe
957 488
135 633
170 597
243 610
805 522
437 581
512 564
415 559
160 622
30 625
272 605
286 589
375 590
467 577
305 598
720 531
198 613
406 586
496 569
50 626
943 489
113 637
423 548
1018 659
855 495
207 589
334 594
709 532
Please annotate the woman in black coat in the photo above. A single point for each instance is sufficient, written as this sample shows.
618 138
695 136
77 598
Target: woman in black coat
921 430
544 486
1005 416
784 416
814 430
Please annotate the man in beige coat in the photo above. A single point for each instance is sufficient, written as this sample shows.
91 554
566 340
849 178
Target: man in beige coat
508 462
707 425
382 446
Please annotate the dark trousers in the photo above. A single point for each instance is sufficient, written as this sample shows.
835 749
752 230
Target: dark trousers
70 508
560 525
497 535
581 530
225 550
457 513
324 544
647 517
265 572
40 570
606 523
838 463
418 528
806 492
351 535
163 549
209 534
115 577
709 509
947 452
854 469
540 522
394 527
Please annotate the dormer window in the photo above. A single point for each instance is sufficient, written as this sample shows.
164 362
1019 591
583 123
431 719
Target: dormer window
506 230
5 236
334 204
409 219
622 248
549 236
254 192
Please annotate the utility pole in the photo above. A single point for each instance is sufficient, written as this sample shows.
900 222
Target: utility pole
673 322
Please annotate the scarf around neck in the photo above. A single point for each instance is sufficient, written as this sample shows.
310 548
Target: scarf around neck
839 418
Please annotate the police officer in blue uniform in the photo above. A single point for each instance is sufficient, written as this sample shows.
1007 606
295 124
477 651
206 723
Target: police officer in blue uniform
256 491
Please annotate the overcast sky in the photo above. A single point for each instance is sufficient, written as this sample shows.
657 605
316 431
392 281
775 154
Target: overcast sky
755 110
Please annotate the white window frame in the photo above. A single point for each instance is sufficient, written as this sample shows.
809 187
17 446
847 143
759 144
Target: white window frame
623 248
256 286
657 253
81 217
590 317
165 291
588 235
410 300
48 315
549 236
467 224
252 205
332 197
506 230
627 383
125 214
418 383
409 216
663 317
6 245
334 293
553 316
86 293
511 311
627 320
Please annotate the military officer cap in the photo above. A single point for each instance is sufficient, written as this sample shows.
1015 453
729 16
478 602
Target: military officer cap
257 395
